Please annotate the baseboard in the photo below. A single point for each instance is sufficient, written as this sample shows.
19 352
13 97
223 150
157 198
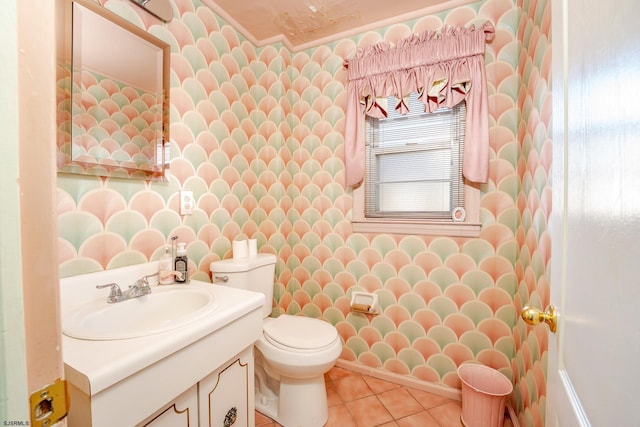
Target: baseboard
437 389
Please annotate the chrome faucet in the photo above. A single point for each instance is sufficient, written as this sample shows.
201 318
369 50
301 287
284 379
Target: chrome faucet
139 288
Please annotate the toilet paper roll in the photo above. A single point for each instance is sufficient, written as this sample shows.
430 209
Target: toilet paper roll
240 249
253 247
365 308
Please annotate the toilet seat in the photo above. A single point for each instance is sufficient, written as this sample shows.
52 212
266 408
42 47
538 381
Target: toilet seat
299 334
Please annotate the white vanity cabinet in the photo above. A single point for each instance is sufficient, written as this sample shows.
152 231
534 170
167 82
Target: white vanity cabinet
182 412
192 375
223 399
226 396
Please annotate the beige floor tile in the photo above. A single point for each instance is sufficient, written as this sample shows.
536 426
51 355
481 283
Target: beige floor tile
399 403
339 416
337 373
263 420
421 419
447 414
379 386
352 388
427 400
368 412
333 398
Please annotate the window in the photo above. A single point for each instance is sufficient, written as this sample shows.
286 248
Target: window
413 174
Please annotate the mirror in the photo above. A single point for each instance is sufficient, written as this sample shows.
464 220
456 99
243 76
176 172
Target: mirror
113 96
161 9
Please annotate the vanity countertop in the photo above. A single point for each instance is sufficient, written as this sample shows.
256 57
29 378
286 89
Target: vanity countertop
94 366
138 375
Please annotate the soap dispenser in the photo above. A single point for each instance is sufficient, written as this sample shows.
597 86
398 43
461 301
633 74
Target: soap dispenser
181 263
165 267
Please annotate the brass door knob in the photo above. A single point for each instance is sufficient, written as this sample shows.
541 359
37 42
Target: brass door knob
534 316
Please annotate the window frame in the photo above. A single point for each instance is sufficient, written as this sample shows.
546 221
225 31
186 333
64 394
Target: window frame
393 224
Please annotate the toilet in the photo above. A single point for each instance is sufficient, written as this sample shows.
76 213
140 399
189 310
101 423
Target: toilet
293 353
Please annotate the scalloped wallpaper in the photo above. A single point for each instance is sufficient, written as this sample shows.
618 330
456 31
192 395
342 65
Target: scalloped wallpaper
257 136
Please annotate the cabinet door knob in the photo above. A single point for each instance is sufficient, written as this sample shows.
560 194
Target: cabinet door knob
230 418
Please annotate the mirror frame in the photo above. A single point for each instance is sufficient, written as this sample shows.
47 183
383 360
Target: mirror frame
68 76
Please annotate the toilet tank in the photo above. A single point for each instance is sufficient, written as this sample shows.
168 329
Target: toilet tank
253 274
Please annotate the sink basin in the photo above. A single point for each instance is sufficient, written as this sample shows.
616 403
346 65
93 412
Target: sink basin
166 308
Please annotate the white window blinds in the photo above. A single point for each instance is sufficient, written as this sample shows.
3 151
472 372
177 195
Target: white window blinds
413 162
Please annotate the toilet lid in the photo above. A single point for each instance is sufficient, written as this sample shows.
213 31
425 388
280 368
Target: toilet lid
304 333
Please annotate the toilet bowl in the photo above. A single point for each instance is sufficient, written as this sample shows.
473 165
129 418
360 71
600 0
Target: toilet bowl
293 353
295 394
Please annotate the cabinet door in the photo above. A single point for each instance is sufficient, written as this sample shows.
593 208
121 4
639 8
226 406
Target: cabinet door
182 412
226 396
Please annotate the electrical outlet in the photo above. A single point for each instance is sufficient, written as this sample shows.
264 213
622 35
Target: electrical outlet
186 202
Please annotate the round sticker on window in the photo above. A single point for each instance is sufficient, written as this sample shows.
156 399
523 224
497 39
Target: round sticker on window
458 214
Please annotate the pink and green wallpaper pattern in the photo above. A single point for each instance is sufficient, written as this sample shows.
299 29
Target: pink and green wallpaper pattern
257 135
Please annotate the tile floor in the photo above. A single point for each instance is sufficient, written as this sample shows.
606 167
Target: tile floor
357 400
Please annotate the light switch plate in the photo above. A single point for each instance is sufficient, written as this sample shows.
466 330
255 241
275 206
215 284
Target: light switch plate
186 202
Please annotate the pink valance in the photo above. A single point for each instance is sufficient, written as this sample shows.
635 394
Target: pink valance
444 68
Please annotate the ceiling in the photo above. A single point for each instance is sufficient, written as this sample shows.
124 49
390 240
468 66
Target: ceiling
301 24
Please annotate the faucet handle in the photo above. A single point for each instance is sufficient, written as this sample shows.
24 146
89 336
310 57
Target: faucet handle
141 286
115 289
145 279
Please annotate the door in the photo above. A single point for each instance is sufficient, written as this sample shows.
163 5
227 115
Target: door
593 371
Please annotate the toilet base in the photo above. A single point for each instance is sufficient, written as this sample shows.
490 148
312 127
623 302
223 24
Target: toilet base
295 402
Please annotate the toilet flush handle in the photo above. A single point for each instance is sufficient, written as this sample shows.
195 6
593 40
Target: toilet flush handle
220 279
534 316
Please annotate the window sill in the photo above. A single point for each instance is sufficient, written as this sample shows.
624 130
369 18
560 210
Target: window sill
450 229
471 227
